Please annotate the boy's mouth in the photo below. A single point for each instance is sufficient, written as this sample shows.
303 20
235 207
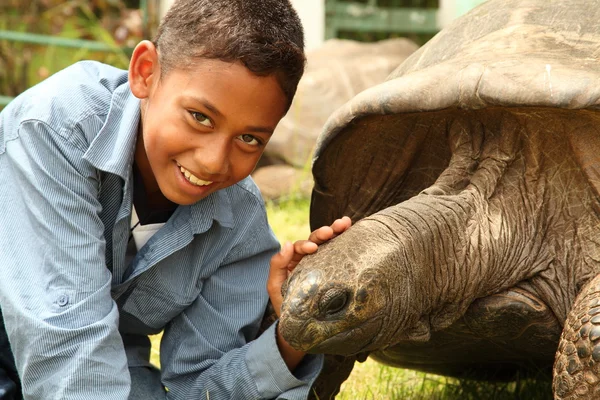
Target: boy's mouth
191 178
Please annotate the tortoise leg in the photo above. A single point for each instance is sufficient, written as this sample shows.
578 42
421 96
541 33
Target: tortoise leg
335 372
576 374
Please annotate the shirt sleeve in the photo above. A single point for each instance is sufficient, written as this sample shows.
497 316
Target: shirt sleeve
54 284
210 350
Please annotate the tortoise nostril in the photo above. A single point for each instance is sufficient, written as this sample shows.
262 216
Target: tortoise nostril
334 301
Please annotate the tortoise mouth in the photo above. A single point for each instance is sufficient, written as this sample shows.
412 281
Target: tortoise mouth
346 342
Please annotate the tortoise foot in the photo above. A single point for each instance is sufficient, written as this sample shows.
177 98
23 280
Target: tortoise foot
576 373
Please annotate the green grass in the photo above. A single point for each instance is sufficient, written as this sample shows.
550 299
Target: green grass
373 381
289 219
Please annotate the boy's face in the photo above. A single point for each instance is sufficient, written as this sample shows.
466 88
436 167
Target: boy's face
205 128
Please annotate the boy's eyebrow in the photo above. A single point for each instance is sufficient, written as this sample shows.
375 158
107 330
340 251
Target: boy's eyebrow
208 105
215 110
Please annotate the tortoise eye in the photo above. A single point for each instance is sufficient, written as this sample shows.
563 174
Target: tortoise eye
333 301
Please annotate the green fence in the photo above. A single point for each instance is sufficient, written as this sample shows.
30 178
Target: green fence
83 47
376 19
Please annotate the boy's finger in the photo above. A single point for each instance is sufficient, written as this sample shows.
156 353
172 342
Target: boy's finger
341 225
325 233
303 247
321 235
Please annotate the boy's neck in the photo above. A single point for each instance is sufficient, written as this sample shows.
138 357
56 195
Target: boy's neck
151 207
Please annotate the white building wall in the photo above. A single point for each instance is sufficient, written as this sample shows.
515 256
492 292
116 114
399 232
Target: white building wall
164 6
312 15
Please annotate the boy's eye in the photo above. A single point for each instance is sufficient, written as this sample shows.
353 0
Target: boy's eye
201 118
249 139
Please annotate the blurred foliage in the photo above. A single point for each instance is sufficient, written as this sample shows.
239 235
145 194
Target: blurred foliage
118 23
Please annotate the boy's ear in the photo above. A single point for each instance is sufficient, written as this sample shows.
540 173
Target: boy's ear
144 69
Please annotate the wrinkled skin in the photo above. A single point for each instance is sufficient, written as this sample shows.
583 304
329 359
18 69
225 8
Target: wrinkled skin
474 178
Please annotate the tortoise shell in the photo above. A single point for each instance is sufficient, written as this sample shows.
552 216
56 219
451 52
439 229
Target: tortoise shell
389 142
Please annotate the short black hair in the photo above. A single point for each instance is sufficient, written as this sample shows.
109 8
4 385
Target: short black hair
266 36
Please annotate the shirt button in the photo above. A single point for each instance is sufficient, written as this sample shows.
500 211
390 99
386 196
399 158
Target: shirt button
63 300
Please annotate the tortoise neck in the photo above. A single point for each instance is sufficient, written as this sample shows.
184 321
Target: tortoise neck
454 253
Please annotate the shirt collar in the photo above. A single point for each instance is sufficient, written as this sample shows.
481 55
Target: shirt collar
113 147
216 207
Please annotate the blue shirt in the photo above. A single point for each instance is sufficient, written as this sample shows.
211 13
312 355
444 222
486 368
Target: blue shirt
75 312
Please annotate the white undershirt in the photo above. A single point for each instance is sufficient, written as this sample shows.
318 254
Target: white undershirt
142 233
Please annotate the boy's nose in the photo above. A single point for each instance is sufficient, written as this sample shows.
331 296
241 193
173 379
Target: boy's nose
214 157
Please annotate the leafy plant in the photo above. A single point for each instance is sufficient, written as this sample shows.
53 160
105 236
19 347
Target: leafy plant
23 63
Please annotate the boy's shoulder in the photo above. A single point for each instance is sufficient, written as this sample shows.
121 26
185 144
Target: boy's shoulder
245 191
70 95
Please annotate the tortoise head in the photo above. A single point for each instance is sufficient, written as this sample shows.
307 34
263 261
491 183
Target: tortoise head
338 301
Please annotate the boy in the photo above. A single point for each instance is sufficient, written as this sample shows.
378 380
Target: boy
127 209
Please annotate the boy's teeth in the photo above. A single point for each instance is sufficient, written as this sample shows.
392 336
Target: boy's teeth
192 178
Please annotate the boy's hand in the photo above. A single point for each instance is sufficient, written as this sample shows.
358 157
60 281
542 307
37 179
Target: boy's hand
290 255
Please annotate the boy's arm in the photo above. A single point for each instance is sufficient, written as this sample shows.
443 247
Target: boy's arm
207 351
54 284
210 350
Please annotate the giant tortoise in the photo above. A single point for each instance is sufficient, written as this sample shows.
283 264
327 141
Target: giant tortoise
473 173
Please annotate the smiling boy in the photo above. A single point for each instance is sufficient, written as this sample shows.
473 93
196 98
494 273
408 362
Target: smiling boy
128 210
